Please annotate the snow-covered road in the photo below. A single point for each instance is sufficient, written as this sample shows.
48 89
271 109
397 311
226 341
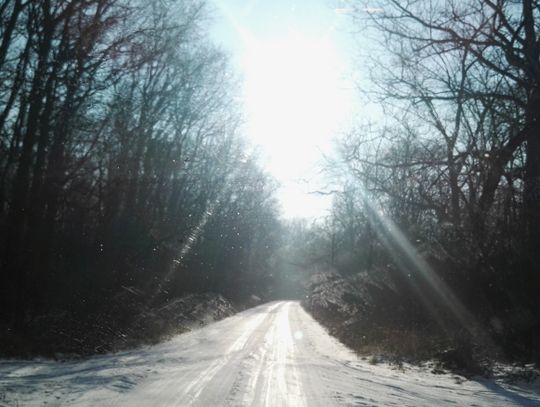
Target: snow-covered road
271 355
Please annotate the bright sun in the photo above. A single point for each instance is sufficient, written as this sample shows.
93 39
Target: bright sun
295 102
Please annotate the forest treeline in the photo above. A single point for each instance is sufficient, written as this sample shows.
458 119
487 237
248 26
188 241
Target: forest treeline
438 207
124 177
122 168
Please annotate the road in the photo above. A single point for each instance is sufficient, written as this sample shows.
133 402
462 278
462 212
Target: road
271 355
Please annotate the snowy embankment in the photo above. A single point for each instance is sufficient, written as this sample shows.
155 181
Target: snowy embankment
126 321
271 355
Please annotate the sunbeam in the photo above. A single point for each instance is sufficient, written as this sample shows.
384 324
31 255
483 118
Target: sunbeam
397 244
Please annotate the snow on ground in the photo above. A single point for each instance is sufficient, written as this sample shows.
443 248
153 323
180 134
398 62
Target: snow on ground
271 355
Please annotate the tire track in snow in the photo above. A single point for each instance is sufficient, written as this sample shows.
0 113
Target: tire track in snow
274 380
191 393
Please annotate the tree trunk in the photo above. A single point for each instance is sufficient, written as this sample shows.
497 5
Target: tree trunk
531 192
19 207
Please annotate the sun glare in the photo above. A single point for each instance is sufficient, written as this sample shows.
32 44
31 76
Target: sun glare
293 96
295 102
297 92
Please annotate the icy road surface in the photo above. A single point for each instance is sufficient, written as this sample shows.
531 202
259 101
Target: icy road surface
271 355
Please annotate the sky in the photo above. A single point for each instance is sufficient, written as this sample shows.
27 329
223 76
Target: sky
294 59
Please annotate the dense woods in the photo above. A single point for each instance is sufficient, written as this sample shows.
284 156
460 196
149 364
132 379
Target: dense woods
439 205
125 181
122 169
